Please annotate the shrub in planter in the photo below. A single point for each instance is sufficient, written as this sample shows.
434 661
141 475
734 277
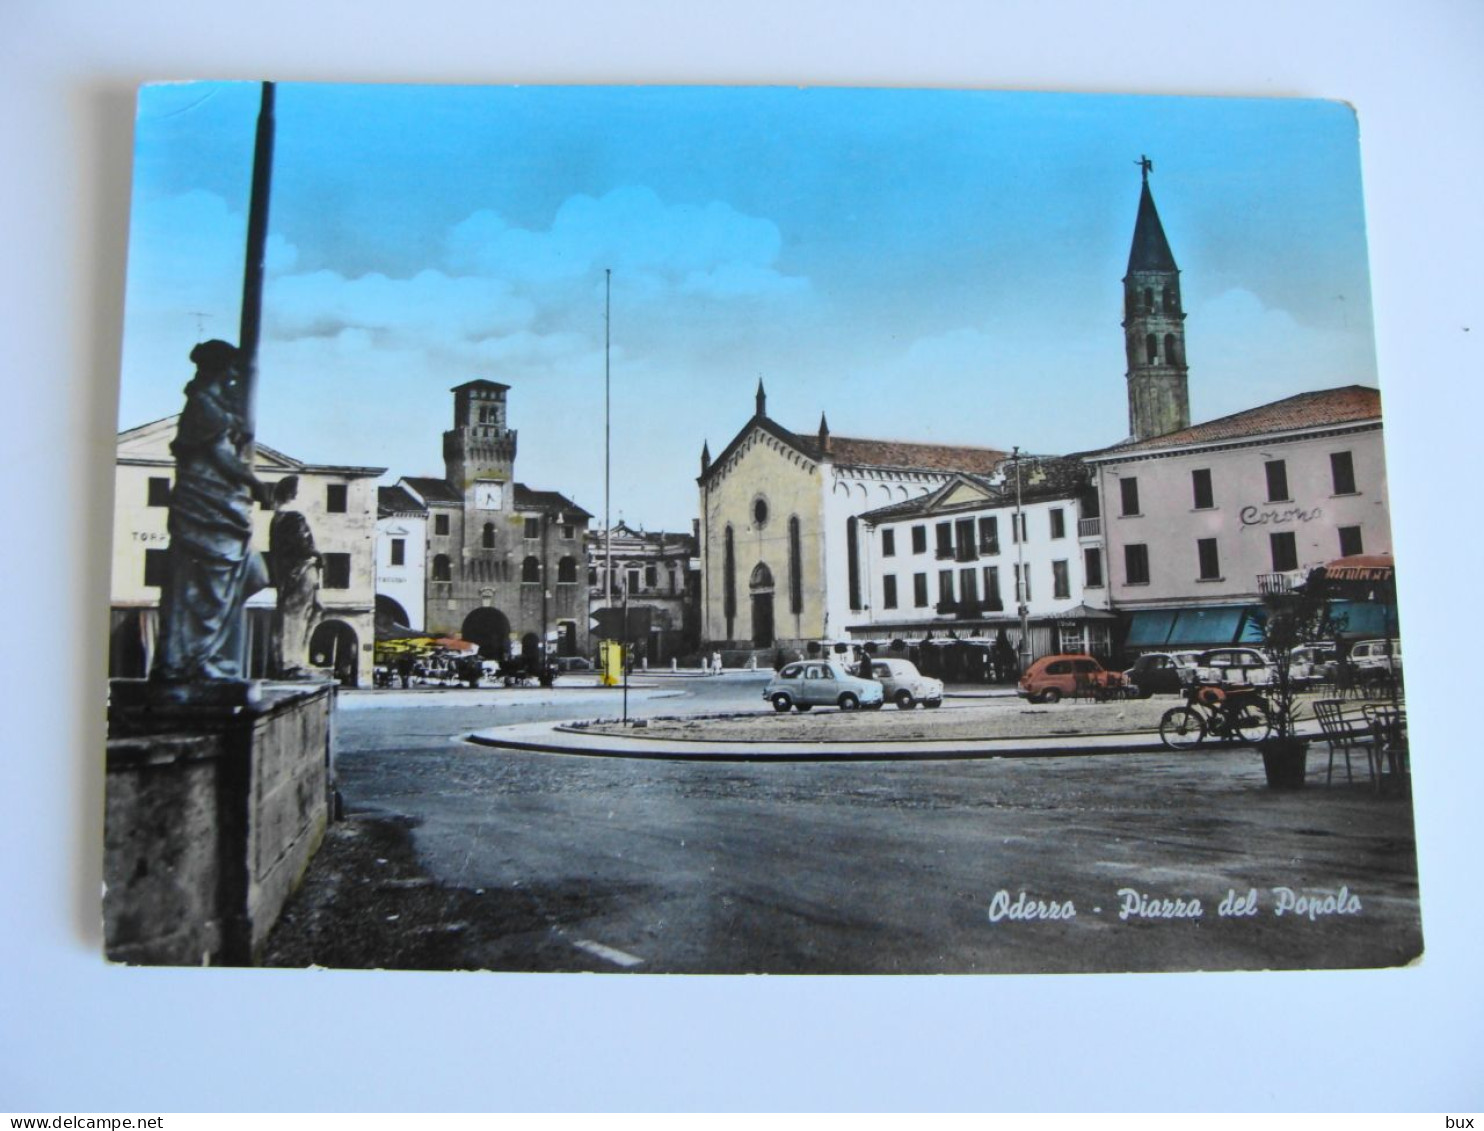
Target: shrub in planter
1299 616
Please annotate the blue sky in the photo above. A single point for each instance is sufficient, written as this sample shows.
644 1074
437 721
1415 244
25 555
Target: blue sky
921 265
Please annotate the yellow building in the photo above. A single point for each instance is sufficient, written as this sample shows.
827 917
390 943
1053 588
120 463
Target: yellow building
781 542
340 505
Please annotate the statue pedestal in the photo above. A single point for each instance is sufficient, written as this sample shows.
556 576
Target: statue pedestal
215 806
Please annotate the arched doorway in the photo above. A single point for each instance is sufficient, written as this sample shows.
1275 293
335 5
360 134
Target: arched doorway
390 613
335 646
490 629
760 584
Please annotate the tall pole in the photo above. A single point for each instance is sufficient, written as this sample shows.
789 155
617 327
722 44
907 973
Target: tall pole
257 244
1021 588
607 434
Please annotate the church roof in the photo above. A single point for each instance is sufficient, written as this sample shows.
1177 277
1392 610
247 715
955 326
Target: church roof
1349 404
851 451
1150 250
478 383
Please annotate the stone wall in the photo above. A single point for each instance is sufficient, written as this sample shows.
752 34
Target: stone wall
213 815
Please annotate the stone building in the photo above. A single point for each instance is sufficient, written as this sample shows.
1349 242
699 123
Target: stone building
340 504
503 562
1202 521
781 540
660 572
964 558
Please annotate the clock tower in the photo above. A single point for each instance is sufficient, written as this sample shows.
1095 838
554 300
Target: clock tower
480 447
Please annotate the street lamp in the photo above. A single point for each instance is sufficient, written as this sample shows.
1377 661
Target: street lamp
549 519
1021 588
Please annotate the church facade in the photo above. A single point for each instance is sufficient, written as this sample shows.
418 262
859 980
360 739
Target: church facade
783 550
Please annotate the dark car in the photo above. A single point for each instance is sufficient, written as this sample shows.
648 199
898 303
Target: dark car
1155 673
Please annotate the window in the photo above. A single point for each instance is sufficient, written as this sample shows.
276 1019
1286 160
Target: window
964 538
888 543
567 569
1171 353
853 560
1018 528
569 531
159 491
336 495
1151 348
1342 468
989 535
1136 564
760 511
651 577
399 551
919 539
441 568
795 567
633 580
1171 307
729 579
968 586
530 570
1350 541
1210 559
440 524
945 539
1023 582
592 577
889 592
1149 298
1061 582
533 528
1058 523
1277 470
919 590
337 571
1200 487
155 567
489 536
945 587
992 589
1092 567
1130 491
1285 551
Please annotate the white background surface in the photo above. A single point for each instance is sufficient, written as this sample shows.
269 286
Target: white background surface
78 1036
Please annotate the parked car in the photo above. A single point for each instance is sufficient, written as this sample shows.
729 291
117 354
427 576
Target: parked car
572 664
905 686
821 683
1312 663
1186 662
1052 677
1371 657
1246 666
1156 673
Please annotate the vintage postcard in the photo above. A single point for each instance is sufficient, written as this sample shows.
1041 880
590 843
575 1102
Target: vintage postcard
752 530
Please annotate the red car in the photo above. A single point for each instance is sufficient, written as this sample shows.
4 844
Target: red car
1051 677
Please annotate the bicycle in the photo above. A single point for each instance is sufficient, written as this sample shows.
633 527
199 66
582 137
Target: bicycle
1232 714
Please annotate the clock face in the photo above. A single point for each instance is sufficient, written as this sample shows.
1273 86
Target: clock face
489 496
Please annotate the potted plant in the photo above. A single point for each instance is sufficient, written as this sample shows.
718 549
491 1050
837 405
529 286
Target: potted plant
1293 617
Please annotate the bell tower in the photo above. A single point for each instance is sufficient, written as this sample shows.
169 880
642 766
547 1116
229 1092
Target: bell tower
1154 327
481 444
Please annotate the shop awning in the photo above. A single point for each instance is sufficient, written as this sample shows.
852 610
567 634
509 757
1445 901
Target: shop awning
1206 626
1150 629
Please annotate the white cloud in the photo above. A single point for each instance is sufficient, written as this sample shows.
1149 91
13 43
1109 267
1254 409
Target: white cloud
430 307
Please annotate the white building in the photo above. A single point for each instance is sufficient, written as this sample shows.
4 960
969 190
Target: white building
964 558
401 557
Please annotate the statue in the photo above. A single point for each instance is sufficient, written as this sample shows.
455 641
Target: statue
211 570
295 565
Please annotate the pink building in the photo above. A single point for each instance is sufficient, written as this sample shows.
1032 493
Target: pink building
1200 522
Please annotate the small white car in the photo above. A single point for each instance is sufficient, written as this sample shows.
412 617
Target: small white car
905 686
821 683
1245 666
1374 656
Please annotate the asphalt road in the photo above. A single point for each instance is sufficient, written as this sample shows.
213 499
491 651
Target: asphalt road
581 863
